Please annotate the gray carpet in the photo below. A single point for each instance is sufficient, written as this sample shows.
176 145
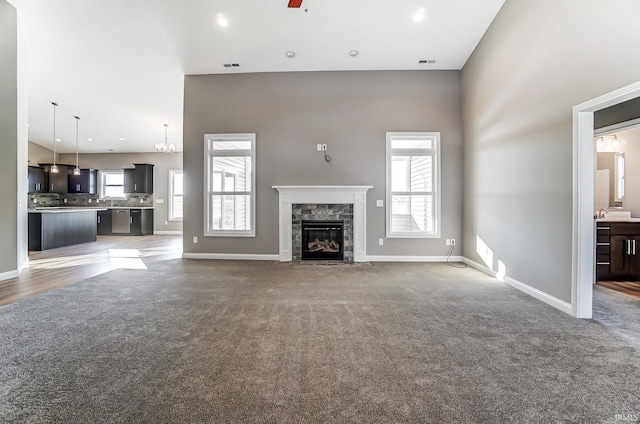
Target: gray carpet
216 341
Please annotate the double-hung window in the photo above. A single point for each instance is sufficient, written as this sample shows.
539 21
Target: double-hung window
176 195
230 185
112 184
413 185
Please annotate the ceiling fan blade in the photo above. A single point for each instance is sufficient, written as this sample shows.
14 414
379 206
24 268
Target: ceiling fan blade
295 3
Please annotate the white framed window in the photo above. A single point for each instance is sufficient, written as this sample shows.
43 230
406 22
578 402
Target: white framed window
176 195
112 184
413 185
619 176
230 185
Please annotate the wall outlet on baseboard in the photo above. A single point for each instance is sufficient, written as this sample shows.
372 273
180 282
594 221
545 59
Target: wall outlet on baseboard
195 239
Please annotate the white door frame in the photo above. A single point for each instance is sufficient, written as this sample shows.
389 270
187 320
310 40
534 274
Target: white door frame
584 165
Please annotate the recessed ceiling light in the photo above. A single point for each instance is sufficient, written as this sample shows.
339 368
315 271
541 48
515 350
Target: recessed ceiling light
420 14
89 139
291 54
354 53
121 138
222 20
58 140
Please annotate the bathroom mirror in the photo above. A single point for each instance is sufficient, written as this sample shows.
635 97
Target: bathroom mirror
610 179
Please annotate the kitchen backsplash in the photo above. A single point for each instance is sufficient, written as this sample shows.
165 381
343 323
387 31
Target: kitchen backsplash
41 200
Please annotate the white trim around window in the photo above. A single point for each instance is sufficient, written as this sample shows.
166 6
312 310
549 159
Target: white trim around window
229 185
112 184
176 195
413 185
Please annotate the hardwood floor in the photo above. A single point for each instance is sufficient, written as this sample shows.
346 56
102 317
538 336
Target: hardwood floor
631 288
54 268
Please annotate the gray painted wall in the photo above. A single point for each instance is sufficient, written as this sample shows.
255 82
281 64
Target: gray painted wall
8 138
162 162
536 61
39 154
349 111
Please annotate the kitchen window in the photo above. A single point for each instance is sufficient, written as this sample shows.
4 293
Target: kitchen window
230 185
413 185
176 195
112 184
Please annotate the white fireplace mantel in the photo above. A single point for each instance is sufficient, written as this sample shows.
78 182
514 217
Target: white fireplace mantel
355 195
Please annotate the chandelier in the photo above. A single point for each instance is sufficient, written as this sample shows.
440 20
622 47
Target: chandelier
166 147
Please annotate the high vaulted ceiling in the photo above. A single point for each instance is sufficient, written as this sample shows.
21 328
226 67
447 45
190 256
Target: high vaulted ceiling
120 64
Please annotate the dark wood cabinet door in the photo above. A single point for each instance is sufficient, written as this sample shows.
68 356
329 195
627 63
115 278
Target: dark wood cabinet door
129 180
619 258
634 258
104 223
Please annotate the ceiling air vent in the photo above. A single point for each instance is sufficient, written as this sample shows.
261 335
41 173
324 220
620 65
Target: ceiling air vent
231 65
427 61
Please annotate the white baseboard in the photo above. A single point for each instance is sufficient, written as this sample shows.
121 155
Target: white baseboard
380 258
168 232
231 256
519 285
540 295
481 268
9 274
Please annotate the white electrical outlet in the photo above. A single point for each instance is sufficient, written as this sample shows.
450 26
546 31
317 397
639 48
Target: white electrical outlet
453 242
319 147
324 147
195 239
159 200
141 200
65 200
380 203
35 200
447 242
89 201
166 222
381 242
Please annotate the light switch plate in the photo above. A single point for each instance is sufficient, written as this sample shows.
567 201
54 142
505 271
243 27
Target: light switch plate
380 203
159 200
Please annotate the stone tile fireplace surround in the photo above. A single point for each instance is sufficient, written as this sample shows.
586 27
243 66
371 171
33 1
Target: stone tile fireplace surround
355 196
322 212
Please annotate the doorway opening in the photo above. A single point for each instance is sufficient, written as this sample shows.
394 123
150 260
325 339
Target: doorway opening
584 166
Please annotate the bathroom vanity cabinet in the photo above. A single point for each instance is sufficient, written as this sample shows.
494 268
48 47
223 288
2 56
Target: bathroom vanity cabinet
618 251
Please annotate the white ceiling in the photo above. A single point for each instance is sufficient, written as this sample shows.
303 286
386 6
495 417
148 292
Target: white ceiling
120 64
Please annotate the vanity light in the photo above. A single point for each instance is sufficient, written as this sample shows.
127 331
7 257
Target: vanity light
54 167
76 170
615 143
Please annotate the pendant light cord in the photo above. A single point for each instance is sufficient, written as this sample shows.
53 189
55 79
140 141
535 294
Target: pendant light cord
77 134
54 132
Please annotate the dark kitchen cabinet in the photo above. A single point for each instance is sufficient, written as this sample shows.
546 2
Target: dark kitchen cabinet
139 179
617 251
104 222
85 182
58 182
37 180
141 222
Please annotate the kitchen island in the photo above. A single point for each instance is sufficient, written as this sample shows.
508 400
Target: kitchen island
61 226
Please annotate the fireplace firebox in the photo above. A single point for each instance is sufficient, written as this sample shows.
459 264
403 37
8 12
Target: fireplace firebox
322 240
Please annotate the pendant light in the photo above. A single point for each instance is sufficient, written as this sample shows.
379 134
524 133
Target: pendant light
54 167
76 170
166 147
